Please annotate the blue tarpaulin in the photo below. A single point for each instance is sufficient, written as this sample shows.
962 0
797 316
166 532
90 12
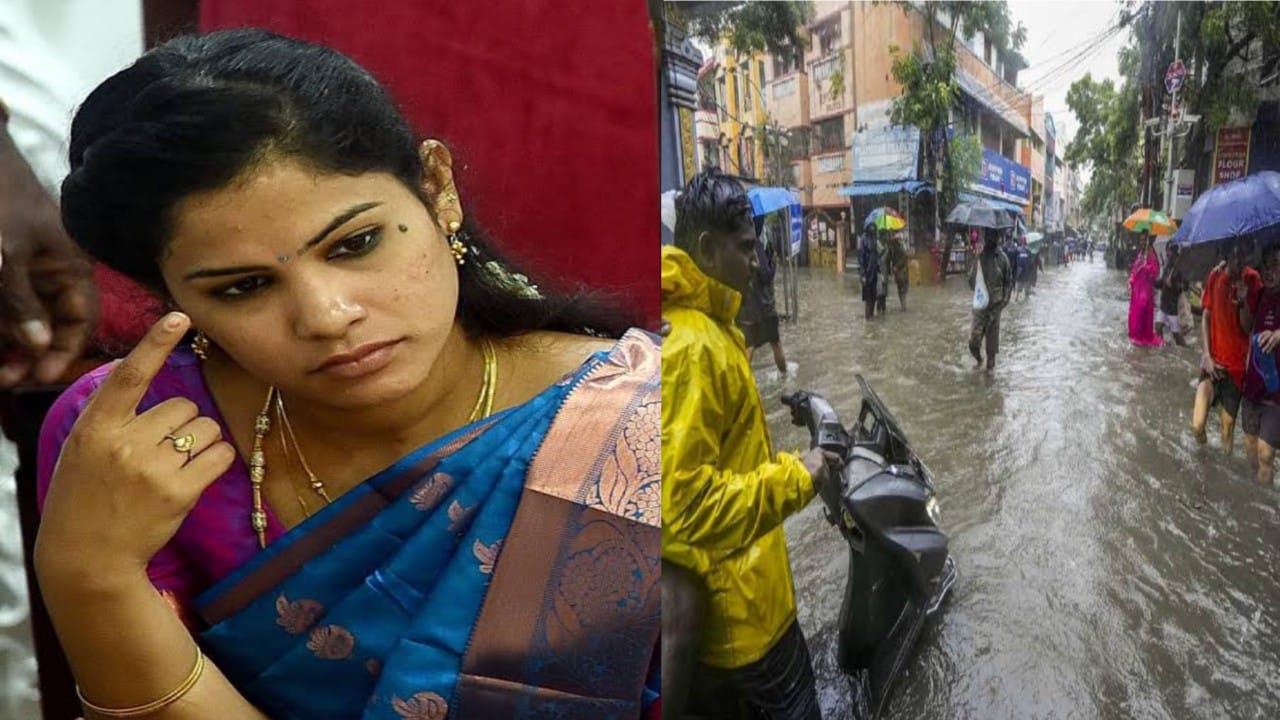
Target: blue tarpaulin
882 188
765 200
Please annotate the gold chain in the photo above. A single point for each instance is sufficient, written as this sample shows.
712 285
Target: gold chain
489 387
262 425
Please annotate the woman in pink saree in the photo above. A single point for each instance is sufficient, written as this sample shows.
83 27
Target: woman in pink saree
1142 297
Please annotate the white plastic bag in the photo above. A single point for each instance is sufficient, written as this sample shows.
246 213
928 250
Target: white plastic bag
981 299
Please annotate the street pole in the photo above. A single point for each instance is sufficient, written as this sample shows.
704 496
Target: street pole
1171 127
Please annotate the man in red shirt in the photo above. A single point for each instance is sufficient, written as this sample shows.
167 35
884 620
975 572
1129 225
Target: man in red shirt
1225 342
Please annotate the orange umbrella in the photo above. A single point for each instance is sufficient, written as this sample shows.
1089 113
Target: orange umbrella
1152 221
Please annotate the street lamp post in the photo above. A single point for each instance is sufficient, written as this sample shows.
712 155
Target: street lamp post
1172 126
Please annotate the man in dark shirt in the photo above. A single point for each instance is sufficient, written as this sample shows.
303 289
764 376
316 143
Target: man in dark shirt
997 276
1171 285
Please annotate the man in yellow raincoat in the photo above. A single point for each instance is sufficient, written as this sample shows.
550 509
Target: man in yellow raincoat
724 492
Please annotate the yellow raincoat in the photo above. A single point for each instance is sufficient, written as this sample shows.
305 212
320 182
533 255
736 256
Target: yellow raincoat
723 497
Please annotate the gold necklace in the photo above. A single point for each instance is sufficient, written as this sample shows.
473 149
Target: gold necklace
489 387
317 486
262 425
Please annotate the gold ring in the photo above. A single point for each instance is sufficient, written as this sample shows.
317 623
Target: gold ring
182 444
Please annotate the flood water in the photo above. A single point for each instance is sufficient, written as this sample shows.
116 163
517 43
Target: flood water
1109 567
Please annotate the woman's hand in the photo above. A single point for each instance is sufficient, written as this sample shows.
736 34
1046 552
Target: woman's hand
122 485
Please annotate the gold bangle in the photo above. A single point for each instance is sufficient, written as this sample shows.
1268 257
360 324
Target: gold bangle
154 705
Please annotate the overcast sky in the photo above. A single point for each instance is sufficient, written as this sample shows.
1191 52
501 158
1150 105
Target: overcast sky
1057 32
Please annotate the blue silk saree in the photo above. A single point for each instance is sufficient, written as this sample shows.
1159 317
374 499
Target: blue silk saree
510 569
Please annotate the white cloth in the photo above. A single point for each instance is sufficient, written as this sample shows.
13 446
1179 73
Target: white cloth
52 53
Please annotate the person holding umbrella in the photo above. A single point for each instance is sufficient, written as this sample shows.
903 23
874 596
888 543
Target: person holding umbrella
992 281
1225 342
1144 274
1142 299
869 264
873 257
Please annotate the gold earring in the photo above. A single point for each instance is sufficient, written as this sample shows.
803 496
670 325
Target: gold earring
458 249
200 345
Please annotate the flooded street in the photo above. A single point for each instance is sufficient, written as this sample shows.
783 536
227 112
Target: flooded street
1108 566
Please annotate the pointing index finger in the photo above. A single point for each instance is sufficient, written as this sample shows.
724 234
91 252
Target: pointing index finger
120 393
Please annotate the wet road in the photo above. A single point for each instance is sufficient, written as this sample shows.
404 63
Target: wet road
1109 567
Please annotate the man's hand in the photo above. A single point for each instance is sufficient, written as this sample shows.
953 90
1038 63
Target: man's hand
1242 291
48 305
1207 365
1268 340
819 463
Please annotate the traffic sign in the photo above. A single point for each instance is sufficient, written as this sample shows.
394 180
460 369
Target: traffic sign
1174 76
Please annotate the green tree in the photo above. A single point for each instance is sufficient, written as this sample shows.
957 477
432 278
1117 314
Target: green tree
1107 141
776 28
930 94
748 27
1217 39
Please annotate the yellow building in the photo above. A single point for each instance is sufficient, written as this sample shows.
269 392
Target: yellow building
739 112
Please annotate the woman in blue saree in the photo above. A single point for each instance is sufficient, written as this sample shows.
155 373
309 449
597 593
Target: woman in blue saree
364 468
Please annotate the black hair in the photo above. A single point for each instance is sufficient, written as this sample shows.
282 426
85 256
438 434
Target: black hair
1268 252
198 112
714 202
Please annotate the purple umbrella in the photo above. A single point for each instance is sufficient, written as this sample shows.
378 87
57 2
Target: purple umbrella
1248 206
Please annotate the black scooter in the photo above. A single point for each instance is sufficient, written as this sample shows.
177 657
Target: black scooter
899 568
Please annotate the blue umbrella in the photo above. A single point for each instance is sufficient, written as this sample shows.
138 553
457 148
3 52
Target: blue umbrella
1247 206
765 200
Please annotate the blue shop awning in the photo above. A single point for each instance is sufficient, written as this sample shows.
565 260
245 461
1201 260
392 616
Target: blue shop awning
765 200
884 188
1002 204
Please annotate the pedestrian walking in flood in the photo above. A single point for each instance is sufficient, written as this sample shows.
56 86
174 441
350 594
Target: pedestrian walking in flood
884 270
992 283
1224 343
1023 269
869 264
759 315
1171 286
1142 297
899 266
1260 410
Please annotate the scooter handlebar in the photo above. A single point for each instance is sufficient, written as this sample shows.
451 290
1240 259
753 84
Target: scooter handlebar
814 412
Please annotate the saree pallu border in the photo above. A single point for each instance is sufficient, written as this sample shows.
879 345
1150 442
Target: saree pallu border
569 626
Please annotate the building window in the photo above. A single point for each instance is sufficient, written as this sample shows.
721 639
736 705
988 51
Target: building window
721 98
829 134
831 163
710 153
823 70
746 157
828 35
786 62
784 88
760 79
744 97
